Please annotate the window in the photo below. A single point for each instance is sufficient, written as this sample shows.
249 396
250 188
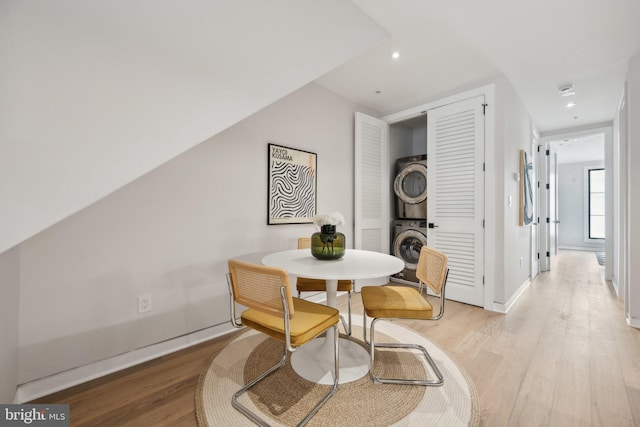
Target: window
596 204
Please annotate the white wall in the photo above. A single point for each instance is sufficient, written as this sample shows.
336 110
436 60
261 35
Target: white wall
513 242
169 234
633 193
404 141
95 94
620 186
571 206
9 320
400 145
420 139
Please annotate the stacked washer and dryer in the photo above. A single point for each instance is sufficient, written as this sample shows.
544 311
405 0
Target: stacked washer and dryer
410 223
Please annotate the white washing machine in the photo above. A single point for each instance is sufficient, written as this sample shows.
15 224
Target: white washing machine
409 236
410 186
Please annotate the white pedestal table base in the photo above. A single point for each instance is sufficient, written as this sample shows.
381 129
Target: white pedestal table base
314 361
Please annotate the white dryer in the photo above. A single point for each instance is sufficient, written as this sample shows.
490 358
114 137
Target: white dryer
410 186
409 236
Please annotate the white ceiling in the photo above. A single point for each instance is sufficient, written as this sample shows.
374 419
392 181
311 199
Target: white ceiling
540 45
579 149
94 94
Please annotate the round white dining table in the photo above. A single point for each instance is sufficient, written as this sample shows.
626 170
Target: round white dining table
314 361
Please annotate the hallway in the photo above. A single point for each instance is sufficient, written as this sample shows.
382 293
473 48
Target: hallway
563 355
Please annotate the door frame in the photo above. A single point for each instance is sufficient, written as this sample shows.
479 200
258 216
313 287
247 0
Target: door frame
535 227
552 159
488 91
543 208
607 130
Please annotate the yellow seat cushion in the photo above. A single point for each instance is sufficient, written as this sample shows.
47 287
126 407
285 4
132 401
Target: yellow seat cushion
309 320
318 285
392 302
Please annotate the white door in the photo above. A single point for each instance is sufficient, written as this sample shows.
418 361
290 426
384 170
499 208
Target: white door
536 206
543 206
553 203
548 198
455 195
372 184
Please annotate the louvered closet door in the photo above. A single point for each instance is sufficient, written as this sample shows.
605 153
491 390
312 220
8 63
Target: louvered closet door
455 196
371 166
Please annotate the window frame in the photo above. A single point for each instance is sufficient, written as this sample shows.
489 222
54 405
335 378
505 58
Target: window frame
587 197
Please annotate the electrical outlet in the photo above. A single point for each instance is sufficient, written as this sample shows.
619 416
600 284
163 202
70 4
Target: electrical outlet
144 303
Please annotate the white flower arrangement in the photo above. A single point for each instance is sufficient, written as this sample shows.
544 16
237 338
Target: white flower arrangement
334 218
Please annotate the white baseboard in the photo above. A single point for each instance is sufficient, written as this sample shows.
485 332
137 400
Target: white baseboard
504 308
634 322
63 380
582 248
72 377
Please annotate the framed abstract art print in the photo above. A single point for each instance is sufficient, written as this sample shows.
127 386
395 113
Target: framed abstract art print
292 185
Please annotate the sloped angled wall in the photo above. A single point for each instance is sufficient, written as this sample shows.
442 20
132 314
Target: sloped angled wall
96 94
169 234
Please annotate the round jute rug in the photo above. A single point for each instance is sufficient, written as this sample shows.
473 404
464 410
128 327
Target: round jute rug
284 398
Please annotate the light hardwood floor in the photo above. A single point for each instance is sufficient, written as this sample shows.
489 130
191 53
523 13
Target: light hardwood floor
563 356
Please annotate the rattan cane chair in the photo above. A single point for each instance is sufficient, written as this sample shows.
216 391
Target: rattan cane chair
272 310
318 285
403 302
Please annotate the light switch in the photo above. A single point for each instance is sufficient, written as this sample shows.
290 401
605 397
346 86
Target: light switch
510 201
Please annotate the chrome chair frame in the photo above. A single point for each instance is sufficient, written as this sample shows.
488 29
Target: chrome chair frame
237 323
425 353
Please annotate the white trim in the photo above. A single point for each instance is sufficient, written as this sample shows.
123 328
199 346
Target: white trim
504 308
582 248
534 235
607 129
490 227
589 166
72 377
420 109
634 322
576 132
69 378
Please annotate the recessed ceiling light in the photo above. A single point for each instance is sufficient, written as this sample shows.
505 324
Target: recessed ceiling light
395 55
570 104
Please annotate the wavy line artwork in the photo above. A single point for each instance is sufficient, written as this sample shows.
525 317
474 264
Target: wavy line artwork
292 191
292 185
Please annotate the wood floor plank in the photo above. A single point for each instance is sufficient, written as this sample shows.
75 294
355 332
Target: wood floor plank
634 403
609 400
572 398
536 395
562 356
628 341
